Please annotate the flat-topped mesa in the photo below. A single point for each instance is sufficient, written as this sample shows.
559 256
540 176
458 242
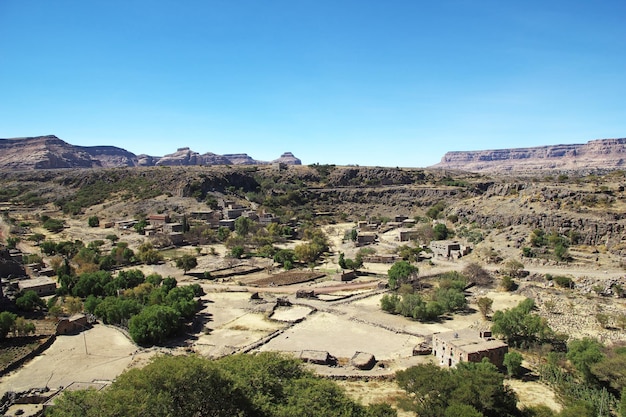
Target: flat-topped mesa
241 159
287 158
595 154
50 152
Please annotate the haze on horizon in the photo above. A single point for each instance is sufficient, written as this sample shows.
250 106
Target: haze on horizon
353 82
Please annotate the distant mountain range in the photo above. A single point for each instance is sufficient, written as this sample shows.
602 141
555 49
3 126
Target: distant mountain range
599 154
50 152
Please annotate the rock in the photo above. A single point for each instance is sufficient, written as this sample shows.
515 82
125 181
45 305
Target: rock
287 158
605 153
50 152
363 360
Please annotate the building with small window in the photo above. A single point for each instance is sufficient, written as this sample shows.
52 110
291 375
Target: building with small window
468 345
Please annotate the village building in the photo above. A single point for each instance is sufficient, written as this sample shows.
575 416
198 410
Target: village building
363 239
125 224
157 220
72 325
43 286
344 276
177 238
233 213
467 345
267 218
172 227
227 223
385 258
409 235
451 249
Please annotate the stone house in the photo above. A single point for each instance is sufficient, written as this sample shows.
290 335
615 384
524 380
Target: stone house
72 325
468 345
408 235
448 249
363 239
43 286
157 220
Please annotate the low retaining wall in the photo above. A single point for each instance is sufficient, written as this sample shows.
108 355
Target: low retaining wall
19 362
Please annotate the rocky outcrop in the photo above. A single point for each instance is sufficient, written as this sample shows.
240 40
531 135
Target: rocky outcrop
110 156
241 159
287 158
43 152
50 152
186 157
600 154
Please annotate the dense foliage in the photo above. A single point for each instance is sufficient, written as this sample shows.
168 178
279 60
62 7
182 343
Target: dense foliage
469 389
520 326
264 385
448 297
151 307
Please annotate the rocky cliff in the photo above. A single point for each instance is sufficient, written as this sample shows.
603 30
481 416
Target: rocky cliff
594 155
50 152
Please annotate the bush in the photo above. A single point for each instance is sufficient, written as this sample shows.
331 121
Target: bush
564 282
508 284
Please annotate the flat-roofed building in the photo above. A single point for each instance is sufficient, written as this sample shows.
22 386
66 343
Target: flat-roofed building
468 345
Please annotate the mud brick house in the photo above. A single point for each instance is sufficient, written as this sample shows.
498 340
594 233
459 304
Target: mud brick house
468 345
43 286
448 248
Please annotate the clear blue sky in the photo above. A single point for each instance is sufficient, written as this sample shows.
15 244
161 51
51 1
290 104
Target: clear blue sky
368 82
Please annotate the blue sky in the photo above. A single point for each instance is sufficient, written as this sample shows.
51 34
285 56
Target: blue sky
389 83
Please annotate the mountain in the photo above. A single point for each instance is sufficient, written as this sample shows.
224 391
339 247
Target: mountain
593 155
50 152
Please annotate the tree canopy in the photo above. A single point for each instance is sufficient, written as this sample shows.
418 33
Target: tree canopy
267 384
400 273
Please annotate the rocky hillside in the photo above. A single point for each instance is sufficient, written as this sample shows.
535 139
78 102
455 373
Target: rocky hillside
595 155
50 152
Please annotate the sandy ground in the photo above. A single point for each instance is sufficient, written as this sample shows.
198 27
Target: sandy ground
98 354
231 322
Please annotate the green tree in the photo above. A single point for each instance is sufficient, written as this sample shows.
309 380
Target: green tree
30 301
441 231
561 252
37 238
519 326
307 252
93 221
436 392
243 226
23 327
7 320
400 273
584 353
154 324
484 306
140 226
285 257
508 284
514 268
12 242
237 252
186 262
513 363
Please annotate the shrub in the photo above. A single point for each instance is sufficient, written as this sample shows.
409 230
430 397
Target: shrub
564 282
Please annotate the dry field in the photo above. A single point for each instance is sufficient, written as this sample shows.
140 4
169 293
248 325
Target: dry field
342 320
